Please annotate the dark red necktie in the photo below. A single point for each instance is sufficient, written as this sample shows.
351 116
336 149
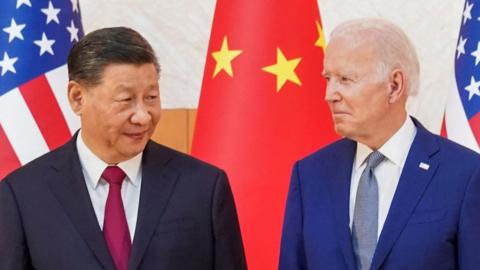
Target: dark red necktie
115 226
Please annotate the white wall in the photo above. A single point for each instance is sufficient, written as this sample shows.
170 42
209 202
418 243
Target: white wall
179 31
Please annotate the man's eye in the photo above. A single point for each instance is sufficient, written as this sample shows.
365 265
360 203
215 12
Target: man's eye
152 97
125 99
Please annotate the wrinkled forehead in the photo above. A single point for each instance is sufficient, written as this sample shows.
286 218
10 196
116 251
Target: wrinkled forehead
348 51
353 41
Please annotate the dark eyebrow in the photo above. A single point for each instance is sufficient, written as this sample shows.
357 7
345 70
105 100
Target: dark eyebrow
122 87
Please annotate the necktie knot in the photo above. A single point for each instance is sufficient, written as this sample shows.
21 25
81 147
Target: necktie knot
374 159
113 175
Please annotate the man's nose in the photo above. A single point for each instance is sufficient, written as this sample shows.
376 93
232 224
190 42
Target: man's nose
141 115
331 93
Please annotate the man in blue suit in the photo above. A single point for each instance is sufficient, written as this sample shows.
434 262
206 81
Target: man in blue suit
390 194
110 198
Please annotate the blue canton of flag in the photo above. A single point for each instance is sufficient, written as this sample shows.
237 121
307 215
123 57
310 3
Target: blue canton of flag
462 117
35 38
467 68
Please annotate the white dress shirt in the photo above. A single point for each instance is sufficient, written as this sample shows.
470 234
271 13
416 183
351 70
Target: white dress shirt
93 167
387 172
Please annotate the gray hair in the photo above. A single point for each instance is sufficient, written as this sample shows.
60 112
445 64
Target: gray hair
395 50
116 45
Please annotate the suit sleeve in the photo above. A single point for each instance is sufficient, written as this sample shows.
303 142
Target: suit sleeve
229 254
292 256
13 250
469 226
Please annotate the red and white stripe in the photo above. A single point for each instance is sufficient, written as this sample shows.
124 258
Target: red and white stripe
457 125
34 119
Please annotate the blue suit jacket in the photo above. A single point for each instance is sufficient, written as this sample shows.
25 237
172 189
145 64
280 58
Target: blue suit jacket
186 217
433 221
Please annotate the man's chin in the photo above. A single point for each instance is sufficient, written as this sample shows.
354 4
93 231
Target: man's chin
132 148
130 153
342 130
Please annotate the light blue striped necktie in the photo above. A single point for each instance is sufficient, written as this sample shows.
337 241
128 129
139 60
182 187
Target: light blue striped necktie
365 215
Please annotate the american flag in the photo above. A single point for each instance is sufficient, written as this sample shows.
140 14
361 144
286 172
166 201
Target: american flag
462 117
35 38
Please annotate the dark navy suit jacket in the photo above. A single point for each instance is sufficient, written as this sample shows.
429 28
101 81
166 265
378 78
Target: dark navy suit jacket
433 221
186 217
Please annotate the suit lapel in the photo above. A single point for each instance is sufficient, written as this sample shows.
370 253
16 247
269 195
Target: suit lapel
68 186
158 182
412 184
339 185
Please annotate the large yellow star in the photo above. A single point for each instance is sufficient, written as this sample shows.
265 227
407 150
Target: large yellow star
321 37
284 70
224 58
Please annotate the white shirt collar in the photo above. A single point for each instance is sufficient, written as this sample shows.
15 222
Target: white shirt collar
394 149
94 166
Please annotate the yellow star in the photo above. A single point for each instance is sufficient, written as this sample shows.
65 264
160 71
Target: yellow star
321 37
284 70
224 58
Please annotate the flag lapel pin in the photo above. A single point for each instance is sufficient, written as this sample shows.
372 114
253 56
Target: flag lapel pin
424 166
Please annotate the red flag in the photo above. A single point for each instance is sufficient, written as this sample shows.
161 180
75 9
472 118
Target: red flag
261 108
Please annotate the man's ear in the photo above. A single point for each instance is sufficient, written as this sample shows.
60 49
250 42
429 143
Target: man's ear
76 96
397 86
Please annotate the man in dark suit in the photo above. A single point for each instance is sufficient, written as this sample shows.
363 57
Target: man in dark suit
111 198
390 195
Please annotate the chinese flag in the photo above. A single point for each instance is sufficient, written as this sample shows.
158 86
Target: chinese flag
262 108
